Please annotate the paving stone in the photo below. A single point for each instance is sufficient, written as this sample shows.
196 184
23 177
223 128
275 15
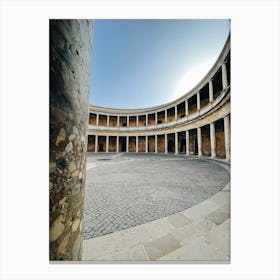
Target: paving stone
220 237
136 253
156 186
178 220
218 216
198 250
161 246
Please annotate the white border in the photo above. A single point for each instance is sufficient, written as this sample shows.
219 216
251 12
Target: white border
255 138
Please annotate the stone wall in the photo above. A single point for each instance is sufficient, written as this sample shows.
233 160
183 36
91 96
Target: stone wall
101 143
161 143
151 144
91 143
220 139
112 144
205 141
113 121
70 59
141 144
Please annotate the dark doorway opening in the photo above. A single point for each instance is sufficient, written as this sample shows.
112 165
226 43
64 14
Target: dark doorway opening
171 146
123 145
183 146
195 147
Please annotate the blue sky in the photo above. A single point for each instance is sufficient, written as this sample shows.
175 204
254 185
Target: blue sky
144 63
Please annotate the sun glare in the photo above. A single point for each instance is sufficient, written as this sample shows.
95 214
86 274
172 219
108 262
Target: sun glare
192 77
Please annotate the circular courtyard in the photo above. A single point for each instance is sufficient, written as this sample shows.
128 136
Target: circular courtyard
126 190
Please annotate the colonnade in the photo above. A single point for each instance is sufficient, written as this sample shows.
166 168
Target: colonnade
226 133
164 111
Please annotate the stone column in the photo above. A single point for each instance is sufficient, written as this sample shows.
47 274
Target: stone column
96 143
108 120
165 116
156 144
199 141
165 143
146 144
147 119
186 108
136 144
198 101
176 143
117 148
97 119
227 136
176 115
137 121
127 121
213 140
70 60
224 75
107 143
118 121
127 144
155 118
210 90
187 143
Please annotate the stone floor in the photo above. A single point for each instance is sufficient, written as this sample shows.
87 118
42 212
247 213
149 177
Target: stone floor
126 190
200 232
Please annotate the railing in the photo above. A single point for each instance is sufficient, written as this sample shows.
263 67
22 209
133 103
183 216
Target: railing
183 120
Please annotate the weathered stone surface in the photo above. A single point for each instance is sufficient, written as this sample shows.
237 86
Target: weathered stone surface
56 229
71 137
69 147
61 136
75 224
63 244
72 167
70 60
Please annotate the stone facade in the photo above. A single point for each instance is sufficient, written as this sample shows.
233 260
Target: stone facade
198 123
70 56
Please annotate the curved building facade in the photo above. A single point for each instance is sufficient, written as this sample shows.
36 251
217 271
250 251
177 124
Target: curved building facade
197 123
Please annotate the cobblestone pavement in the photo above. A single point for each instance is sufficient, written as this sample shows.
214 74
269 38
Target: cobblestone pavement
125 190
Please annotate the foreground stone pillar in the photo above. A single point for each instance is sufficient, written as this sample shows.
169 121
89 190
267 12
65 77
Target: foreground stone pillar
96 143
199 141
213 140
227 136
187 143
166 147
156 144
70 59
